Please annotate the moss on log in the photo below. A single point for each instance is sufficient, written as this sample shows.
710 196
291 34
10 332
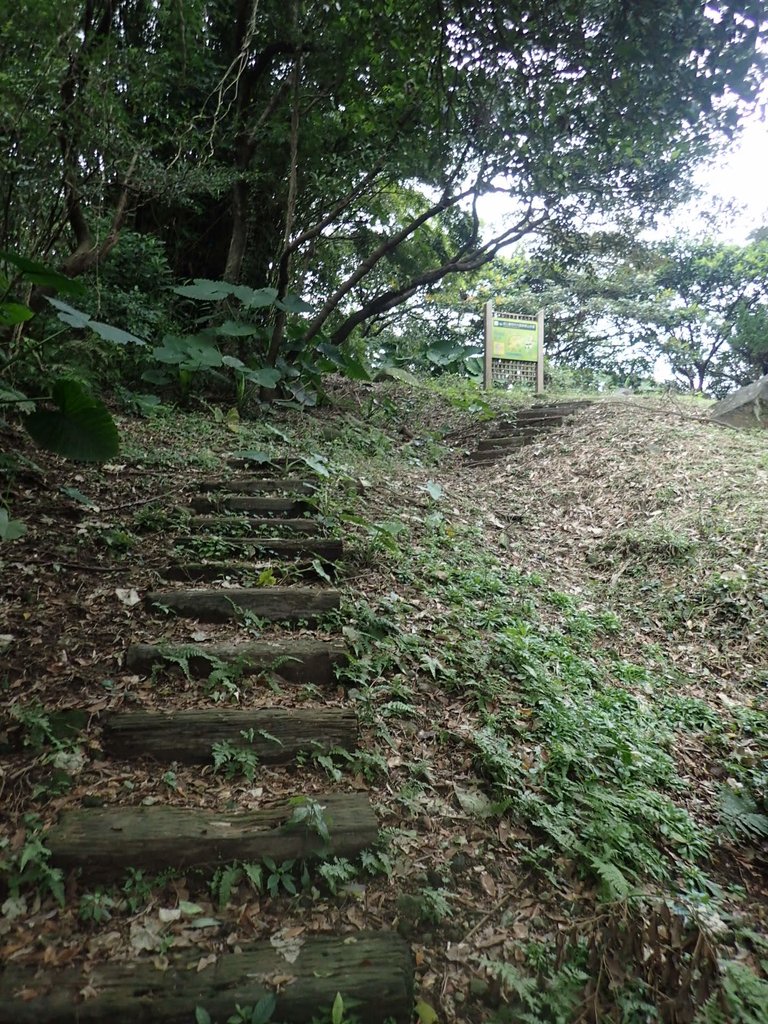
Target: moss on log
106 841
296 661
259 485
278 734
372 971
247 524
248 503
272 603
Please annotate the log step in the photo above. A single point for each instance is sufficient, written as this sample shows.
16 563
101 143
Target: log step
210 572
546 411
489 457
278 464
247 525
538 422
284 547
188 736
106 841
298 661
373 972
272 603
489 443
259 485
530 429
248 503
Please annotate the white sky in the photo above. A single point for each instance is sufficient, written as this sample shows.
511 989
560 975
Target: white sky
739 175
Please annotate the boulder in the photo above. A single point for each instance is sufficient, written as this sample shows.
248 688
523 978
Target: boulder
746 408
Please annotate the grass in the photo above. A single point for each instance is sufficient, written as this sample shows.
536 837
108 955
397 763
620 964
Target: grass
558 667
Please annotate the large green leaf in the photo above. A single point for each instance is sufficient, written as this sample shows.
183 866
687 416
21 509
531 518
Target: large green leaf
293 304
261 297
193 352
39 274
343 361
209 291
216 291
10 529
12 313
81 428
233 329
265 377
447 352
81 321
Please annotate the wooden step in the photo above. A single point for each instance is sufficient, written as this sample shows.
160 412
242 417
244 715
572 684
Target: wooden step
278 464
210 572
372 971
529 429
295 661
489 443
279 734
487 458
283 547
272 603
106 841
217 523
248 503
259 485
542 412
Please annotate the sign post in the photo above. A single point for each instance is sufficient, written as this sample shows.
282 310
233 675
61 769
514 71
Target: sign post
514 348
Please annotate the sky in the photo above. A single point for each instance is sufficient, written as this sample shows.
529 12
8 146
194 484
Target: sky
740 174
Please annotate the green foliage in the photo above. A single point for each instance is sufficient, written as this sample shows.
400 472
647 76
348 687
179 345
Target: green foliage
261 1013
297 369
234 760
309 814
10 529
80 427
28 868
742 998
740 817
96 907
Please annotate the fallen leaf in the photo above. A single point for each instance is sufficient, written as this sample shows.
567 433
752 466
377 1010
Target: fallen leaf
206 961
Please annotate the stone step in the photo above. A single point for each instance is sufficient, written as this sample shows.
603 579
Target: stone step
279 734
374 971
272 603
259 485
282 547
249 503
105 841
254 525
295 661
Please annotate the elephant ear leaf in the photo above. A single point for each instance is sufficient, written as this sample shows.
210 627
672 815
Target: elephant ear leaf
79 428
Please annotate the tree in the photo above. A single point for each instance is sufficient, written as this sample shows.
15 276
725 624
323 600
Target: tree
327 147
712 309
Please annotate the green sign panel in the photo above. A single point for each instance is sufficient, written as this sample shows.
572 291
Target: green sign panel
515 338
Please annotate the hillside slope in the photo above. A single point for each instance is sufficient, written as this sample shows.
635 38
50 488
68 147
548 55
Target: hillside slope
559 663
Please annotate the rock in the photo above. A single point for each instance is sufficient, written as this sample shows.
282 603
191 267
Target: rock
746 408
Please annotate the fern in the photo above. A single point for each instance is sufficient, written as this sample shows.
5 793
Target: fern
739 816
741 999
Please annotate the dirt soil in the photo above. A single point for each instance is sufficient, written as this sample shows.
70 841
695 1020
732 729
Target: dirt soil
638 508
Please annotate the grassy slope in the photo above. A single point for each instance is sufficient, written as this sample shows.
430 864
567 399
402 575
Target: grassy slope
560 664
